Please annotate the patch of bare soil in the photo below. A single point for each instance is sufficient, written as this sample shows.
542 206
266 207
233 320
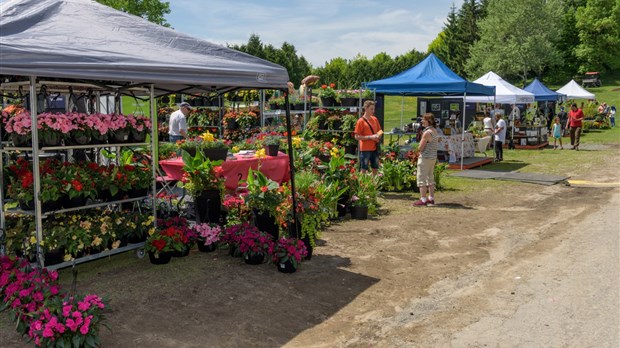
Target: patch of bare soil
408 277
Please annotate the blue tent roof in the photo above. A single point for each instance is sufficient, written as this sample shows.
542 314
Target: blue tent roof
429 77
541 92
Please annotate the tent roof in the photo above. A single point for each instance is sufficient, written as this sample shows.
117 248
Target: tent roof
505 93
429 77
574 91
541 92
82 39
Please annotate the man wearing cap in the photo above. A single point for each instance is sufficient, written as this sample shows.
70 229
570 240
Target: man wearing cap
177 128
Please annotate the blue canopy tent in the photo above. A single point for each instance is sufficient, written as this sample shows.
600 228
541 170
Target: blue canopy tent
430 77
542 93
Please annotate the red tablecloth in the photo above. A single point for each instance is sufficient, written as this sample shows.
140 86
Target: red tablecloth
275 168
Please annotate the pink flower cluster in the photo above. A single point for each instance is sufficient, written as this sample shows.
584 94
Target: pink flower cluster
289 249
20 123
47 316
67 318
209 233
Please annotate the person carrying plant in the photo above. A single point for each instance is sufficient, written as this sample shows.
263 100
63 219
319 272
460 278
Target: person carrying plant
368 132
426 161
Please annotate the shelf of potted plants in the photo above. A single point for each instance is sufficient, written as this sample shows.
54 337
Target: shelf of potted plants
130 130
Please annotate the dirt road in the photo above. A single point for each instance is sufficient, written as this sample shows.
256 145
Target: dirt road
525 266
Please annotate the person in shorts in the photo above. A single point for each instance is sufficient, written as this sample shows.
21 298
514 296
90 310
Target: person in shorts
426 161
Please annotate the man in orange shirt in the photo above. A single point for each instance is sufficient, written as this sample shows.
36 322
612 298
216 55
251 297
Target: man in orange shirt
368 132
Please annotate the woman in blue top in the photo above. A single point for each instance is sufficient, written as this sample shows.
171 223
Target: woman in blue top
557 133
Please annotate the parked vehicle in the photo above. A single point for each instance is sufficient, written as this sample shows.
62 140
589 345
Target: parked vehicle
592 79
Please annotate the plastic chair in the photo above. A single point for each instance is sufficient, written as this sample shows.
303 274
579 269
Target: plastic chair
482 145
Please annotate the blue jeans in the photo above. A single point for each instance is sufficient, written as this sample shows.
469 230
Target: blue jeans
174 138
369 157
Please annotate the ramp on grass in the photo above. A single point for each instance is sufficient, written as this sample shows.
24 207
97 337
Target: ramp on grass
532 178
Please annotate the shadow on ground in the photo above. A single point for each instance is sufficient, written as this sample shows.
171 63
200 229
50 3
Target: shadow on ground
213 299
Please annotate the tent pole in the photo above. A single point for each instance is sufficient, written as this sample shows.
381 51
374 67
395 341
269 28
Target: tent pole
36 172
463 127
154 149
291 162
402 110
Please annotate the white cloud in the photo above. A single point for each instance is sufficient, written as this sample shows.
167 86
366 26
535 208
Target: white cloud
320 30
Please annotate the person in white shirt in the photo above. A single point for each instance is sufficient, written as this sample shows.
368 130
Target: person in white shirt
177 128
515 114
500 137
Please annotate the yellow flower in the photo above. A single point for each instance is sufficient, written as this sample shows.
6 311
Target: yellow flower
335 153
116 244
261 153
236 149
33 240
80 246
67 257
151 231
43 244
74 237
296 141
97 241
208 137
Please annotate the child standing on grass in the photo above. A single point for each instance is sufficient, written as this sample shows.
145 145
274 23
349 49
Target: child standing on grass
557 133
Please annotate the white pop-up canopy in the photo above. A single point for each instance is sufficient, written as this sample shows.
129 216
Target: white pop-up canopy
574 91
505 93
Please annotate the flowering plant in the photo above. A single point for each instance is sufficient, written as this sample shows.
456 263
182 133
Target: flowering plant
237 211
264 194
167 239
252 242
54 123
364 190
49 318
349 93
201 174
272 140
328 91
19 123
68 322
207 234
289 249
139 123
210 142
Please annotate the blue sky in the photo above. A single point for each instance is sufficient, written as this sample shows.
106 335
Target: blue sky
319 29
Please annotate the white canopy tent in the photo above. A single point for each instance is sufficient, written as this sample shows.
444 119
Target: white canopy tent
574 91
505 93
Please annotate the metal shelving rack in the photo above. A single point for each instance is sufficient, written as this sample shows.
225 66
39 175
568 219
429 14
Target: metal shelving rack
38 213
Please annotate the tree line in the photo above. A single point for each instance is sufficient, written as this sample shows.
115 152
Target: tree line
554 40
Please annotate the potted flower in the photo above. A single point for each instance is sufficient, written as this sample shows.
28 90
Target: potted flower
272 144
119 128
328 95
140 126
254 245
288 253
264 195
214 149
276 102
204 181
77 185
53 128
348 137
364 189
237 211
334 122
18 127
349 97
162 244
207 236
81 132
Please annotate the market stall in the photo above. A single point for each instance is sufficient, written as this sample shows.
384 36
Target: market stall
431 77
77 41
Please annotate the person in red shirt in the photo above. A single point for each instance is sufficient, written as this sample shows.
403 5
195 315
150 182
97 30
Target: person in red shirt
368 132
575 116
